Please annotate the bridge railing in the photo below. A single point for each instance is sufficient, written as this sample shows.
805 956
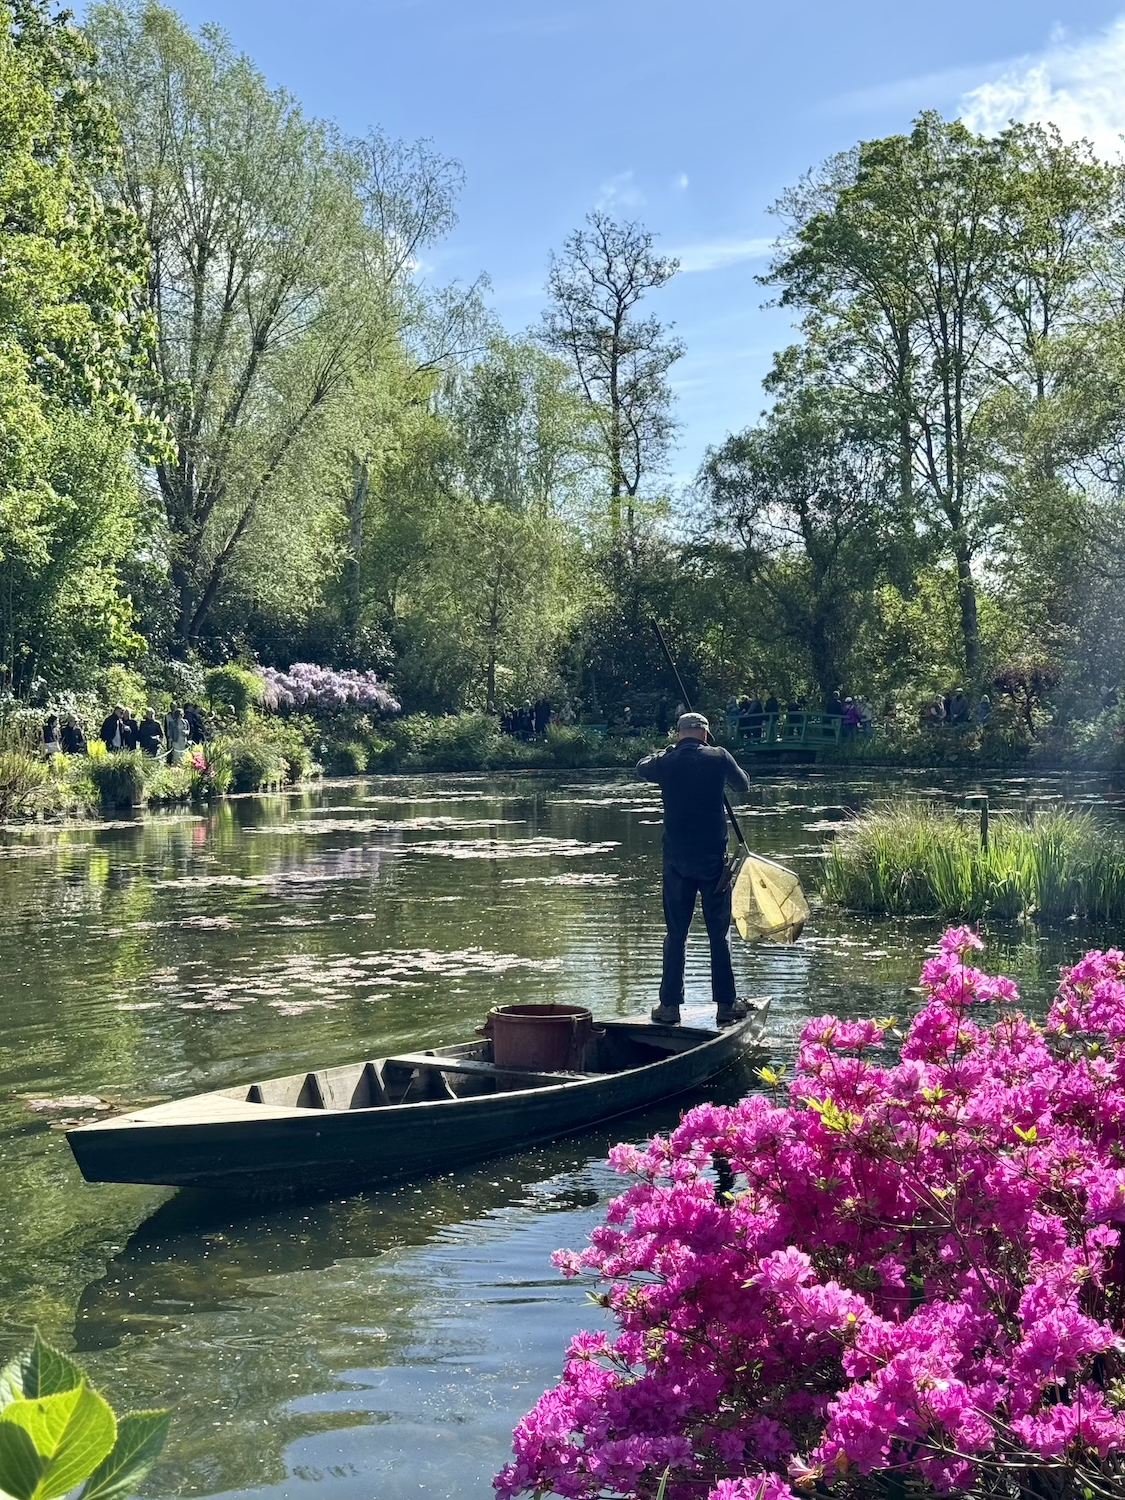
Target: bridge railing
789 731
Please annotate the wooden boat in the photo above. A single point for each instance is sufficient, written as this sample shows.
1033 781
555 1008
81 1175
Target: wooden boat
402 1116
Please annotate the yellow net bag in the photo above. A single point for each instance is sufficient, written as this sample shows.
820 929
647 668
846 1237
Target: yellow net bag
767 902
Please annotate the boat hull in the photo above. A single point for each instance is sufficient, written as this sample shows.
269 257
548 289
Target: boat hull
274 1152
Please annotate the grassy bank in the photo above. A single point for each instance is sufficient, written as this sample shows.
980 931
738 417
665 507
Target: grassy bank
914 859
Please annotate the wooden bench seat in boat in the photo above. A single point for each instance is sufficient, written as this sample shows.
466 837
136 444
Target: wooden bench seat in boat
532 1076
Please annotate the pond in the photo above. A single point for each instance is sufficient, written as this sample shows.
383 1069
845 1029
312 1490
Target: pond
385 1343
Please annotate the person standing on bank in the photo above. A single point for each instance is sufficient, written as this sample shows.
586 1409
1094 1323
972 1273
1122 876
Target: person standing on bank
692 776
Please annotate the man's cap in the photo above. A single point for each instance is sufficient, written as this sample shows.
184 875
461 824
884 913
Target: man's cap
687 722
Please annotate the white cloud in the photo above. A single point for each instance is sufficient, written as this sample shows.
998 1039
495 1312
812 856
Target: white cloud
680 181
716 255
620 191
913 94
1079 85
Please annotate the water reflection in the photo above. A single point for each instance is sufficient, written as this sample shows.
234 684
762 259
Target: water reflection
383 1344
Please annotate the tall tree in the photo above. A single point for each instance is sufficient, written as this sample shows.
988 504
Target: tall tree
475 532
812 513
282 274
900 270
73 349
620 358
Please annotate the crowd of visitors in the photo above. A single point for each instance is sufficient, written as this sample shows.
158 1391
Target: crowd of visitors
527 722
121 730
955 710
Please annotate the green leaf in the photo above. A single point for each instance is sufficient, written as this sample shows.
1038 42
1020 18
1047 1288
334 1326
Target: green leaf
39 1371
72 1431
45 1420
89 1437
140 1437
21 1467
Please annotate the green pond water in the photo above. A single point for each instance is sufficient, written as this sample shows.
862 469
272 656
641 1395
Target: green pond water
385 1343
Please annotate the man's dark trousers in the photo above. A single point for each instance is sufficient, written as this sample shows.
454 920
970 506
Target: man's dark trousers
680 891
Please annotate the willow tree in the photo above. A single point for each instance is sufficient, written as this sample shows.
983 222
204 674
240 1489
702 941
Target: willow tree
73 356
479 542
283 260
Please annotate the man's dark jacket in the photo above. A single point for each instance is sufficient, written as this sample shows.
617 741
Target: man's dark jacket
692 777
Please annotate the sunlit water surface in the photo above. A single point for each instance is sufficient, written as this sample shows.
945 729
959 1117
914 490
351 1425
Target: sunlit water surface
383 1344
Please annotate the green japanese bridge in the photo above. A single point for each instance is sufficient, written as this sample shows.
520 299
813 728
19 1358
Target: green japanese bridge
786 734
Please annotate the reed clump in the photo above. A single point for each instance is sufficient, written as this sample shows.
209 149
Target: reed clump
917 859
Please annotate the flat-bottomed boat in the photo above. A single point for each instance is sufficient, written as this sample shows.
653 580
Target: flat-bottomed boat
403 1116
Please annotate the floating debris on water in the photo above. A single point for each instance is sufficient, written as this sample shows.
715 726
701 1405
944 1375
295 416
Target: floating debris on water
435 824
66 1102
575 879
534 848
299 1007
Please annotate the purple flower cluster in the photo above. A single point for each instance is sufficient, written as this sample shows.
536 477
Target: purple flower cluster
918 1273
324 690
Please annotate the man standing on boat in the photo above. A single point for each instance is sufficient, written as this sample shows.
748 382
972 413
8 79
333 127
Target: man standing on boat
692 776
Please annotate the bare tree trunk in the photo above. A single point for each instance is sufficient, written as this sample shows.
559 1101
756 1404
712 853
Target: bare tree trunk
967 599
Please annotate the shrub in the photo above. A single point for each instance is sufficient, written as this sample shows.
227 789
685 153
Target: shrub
254 759
1100 742
169 783
916 1287
121 779
347 759
382 754
916 859
235 687
450 742
68 788
118 684
171 680
21 777
571 746
211 771
292 738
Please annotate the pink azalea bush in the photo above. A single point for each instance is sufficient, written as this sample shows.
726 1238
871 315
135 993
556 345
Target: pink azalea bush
323 689
916 1283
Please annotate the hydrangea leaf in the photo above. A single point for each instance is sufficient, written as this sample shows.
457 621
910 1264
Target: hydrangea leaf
140 1438
21 1465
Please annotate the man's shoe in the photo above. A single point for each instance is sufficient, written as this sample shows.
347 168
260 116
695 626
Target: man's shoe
727 1015
666 1015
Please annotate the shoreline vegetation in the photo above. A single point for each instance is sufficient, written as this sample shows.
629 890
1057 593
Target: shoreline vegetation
252 747
915 859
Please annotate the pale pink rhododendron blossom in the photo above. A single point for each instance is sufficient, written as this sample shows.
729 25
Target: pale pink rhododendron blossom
918 1273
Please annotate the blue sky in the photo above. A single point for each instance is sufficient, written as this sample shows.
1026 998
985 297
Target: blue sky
691 117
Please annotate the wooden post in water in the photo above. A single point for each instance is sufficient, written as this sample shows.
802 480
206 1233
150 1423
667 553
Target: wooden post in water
981 801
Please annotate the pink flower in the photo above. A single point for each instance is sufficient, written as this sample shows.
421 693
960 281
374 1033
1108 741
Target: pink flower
920 1274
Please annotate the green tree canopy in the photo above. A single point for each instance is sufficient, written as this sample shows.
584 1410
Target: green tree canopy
282 277
73 351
